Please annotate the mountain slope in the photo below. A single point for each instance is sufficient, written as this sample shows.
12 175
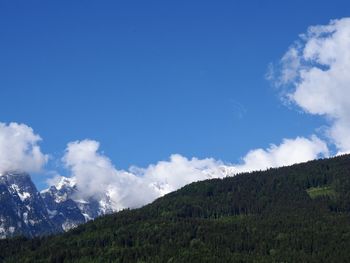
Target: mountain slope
292 214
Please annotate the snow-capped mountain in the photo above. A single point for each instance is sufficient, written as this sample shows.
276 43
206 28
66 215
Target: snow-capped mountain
67 209
62 210
22 210
25 211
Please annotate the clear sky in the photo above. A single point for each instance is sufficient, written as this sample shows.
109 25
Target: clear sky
148 79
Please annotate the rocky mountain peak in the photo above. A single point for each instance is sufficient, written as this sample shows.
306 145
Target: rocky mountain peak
25 211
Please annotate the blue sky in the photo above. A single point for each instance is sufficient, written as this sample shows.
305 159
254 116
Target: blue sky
148 79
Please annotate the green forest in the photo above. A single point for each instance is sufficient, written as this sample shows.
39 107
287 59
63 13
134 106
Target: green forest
299 213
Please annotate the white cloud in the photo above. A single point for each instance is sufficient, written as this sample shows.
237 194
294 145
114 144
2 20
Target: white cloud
96 175
317 67
167 176
289 152
19 149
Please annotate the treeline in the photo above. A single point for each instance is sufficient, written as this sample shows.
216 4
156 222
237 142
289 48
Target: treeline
264 216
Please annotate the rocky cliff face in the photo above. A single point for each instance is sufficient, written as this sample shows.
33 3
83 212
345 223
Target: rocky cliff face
22 210
25 211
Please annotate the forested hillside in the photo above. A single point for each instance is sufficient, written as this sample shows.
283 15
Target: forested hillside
299 213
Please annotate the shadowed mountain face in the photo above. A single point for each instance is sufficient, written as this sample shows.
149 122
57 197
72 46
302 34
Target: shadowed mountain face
62 209
25 211
299 213
22 210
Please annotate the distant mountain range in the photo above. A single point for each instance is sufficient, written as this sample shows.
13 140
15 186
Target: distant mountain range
26 211
299 213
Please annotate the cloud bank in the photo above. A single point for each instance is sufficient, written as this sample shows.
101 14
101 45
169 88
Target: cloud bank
315 71
19 149
96 175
